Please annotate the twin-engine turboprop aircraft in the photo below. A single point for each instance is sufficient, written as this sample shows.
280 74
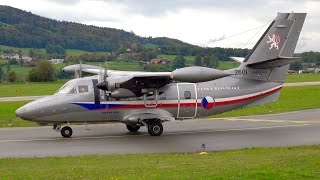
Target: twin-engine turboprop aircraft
150 98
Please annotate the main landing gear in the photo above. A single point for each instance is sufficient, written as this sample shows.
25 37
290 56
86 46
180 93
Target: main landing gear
66 131
155 128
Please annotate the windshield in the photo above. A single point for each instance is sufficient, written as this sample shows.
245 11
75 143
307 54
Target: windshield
68 88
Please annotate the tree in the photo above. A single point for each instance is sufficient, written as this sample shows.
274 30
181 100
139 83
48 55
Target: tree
1 73
211 61
44 72
55 49
206 60
11 76
297 65
198 61
179 62
214 63
8 67
150 55
31 53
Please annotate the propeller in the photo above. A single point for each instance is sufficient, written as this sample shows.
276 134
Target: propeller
103 85
78 72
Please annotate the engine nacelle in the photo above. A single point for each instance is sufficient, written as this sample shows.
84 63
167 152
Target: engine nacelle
196 74
122 93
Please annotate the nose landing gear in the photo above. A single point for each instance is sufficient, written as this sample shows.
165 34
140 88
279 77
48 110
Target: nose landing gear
66 131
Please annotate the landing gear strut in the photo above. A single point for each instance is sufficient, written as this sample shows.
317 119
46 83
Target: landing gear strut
66 131
155 128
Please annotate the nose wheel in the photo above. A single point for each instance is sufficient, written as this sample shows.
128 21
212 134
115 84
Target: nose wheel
66 132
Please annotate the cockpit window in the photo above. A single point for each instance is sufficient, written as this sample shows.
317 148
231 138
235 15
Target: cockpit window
68 88
83 88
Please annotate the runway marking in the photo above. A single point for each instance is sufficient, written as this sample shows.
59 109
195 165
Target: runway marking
263 120
169 133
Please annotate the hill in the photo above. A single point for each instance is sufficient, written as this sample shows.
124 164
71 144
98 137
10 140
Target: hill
19 28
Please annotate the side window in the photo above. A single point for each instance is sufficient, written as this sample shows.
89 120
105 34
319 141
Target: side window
73 91
83 88
162 95
187 95
151 96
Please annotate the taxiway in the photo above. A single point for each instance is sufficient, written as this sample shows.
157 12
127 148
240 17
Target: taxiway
275 130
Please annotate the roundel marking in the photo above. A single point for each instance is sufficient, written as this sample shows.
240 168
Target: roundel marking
207 102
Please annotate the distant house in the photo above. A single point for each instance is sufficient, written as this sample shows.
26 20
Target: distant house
10 56
26 58
160 61
56 61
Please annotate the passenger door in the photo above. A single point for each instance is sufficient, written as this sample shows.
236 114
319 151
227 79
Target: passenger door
187 100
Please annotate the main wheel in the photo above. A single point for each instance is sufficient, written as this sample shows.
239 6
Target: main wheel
133 128
155 128
66 132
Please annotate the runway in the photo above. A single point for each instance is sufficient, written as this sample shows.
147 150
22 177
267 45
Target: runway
286 129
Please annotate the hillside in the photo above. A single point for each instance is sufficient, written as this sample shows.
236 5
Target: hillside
19 28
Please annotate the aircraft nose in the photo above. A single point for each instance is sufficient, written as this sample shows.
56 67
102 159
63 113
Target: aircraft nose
21 112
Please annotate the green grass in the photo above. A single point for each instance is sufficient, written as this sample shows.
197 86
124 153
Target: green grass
303 77
29 89
252 163
8 118
223 65
291 99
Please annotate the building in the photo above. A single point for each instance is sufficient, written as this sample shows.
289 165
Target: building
56 61
160 61
26 58
10 56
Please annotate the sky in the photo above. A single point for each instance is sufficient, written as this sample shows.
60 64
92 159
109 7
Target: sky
208 23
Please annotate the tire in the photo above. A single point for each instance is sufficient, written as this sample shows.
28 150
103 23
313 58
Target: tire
133 128
66 132
155 128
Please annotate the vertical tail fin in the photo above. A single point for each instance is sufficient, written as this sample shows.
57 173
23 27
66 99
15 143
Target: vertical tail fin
270 58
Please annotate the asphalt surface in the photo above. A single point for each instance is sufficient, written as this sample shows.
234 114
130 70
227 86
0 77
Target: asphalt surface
31 98
276 130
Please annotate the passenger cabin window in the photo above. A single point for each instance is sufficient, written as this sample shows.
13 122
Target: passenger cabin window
83 88
187 95
151 96
162 95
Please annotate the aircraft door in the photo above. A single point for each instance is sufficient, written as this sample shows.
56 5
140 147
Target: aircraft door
187 100
151 99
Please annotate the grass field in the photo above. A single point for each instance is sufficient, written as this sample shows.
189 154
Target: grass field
29 89
8 118
303 78
289 101
252 163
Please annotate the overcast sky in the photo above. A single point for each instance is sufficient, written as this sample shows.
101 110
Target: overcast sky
202 22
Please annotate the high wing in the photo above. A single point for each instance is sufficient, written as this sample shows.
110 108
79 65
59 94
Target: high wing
122 84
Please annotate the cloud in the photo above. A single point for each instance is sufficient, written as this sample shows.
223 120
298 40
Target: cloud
195 22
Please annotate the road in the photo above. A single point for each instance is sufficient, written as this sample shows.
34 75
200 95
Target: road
275 130
31 98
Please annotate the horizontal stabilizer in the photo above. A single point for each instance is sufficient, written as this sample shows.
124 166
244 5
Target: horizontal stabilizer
238 59
277 62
